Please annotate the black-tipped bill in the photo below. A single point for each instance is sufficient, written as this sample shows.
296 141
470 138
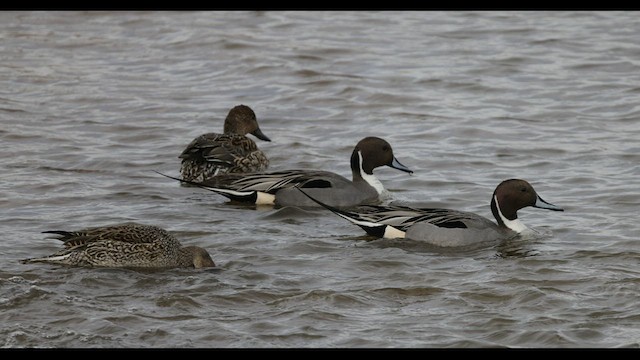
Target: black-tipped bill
260 135
396 165
545 205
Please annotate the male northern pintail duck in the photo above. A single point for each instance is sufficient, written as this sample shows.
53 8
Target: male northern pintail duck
278 188
445 227
128 245
213 154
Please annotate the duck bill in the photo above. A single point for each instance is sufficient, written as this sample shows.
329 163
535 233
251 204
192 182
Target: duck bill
541 204
260 135
397 165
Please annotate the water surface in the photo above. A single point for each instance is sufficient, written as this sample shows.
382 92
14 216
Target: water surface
93 102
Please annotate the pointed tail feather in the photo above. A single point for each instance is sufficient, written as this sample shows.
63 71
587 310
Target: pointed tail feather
63 236
32 260
181 180
371 228
53 259
58 232
347 215
242 196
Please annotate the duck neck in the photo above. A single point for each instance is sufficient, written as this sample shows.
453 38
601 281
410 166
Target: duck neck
503 221
230 128
359 174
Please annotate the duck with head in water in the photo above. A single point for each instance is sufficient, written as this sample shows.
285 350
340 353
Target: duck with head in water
128 245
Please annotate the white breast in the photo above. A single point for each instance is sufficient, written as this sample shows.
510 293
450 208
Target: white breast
371 179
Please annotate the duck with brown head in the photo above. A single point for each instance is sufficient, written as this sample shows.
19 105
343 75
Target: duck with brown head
277 188
214 154
446 227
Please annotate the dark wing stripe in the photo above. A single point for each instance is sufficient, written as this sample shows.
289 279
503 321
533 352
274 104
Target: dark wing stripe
401 217
271 183
267 183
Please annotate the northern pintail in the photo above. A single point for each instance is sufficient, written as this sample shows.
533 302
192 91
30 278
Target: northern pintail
129 245
277 188
213 154
445 227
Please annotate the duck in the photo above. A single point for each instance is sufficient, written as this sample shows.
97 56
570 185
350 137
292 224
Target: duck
214 154
126 245
447 227
278 188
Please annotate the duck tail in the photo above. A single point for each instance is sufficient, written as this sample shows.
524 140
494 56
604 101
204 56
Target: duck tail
373 229
241 196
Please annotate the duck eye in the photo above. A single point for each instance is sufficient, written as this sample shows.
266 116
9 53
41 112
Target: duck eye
523 189
385 148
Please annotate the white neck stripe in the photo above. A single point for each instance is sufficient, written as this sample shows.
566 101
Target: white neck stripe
370 179
515 225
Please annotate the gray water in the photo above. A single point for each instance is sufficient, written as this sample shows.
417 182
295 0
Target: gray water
91 103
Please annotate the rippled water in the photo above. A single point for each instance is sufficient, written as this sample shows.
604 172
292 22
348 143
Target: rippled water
91 103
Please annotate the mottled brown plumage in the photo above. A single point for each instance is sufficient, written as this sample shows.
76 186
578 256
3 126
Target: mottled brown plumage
214 154
129 245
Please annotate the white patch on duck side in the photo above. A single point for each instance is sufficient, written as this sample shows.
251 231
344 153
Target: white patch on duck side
370 179
389 231
392 233
264 198
515 225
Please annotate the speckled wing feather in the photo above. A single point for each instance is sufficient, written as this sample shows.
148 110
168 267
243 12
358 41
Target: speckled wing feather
121 254
200 146
274 181
212 154
219 148
375 219
401 217
128 233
